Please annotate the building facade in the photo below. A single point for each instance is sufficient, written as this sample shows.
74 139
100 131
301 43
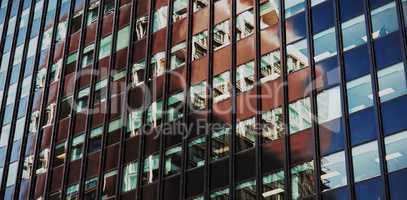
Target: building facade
203 99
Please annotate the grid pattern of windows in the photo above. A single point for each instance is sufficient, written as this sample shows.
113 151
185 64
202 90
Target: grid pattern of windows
203 99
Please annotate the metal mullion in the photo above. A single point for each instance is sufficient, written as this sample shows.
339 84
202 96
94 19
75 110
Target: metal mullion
5 27
71 126
284 78
108 100
125 108
403 34
165 98
209 90
313 97
145 98
344 100
184 164
29 104
376 99
232 135
95 66
257 72
5 97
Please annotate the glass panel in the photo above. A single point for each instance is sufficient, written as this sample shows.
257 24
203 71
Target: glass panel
123 37
270 66
302 180
130 177
329 105
173 158
76 149
384 20
220 195
160 18
396 151
245 24
221 87
175 105
196 152
198 96
220 143
272 121
366 161
246 190
180 10
245 77
359 94
333 171
178 55
59 154
150 172
158 63
199 4
297 56
199 45
354 33
273 186
300 115
246 134
221 35
137 75
392 82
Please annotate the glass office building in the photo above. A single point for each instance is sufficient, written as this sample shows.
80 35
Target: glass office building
203 99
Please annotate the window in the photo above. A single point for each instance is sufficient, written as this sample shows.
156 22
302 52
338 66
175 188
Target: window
199 45
246 134
196 152
82 101
302 180
43 161
137 75
134 121
100 91
221 87
270 66
72 191
154 113
359 91
150 172
273 186
221 35
123 37
300 115
65 110
384 20
269 12
88 55
245 24
293 7
105 47
333 171
392 82
245 77
221 194
141 27
354 33
324 44
199 4
178 55
273 128
109 183
175 105
115 125
220 143
158 64
297 56
108 7
246 190
366 161
61 31
76 148
92 13
56 71
180 10
396 151
71 63
95 142
160 18
173 159
198 96
130 177
59 155
329 105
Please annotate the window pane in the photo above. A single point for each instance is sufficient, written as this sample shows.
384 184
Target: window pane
130 177
196 152
365 161
396 151
333 171
302 180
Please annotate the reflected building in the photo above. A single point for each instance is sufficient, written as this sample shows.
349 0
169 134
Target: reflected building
203 99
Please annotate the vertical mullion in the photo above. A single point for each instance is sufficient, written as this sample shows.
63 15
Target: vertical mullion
344 99
95 67
145 98
71 126
184 164
232 135
123 131
209 91
284 77
376 99
165 99
5 97
313 97
257 72
29 106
